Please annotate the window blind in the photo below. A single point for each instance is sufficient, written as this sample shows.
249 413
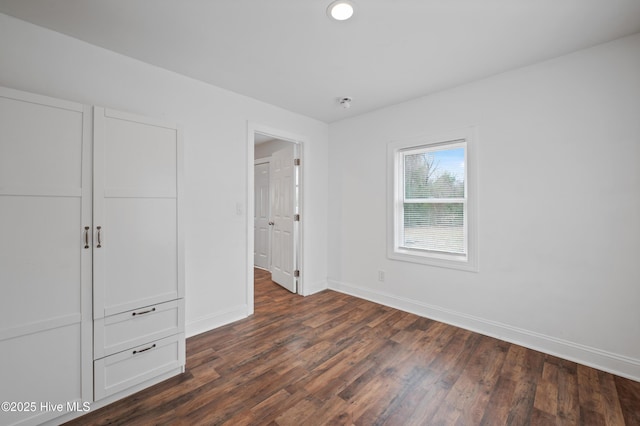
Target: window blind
434 198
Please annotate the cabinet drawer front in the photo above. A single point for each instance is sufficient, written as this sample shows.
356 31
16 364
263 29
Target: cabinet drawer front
123 331
131 367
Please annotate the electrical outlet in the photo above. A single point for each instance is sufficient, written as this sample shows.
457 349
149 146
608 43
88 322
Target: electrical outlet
381 276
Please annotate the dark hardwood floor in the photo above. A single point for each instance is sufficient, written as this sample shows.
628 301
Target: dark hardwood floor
335 359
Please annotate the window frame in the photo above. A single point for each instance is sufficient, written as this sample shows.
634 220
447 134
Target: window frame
396 199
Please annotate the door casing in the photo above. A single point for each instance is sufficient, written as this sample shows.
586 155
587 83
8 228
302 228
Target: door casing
252 129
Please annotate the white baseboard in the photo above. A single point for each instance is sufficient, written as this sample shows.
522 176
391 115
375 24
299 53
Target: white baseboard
593 357
316 287
209 322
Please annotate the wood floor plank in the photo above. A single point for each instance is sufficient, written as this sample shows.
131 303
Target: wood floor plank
546 399
542 418
332 359
629 397
609 400
299 413
499 405
478 379
568 399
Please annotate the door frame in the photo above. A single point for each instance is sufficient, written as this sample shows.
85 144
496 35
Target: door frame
252 129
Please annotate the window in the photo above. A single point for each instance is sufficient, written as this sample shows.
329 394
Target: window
432 216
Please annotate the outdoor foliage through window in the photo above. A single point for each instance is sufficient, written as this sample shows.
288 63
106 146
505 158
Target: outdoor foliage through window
434 199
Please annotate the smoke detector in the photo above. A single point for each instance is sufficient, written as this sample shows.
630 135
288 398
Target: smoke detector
345 102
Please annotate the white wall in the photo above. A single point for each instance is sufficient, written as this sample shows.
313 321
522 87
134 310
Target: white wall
559 207
215 123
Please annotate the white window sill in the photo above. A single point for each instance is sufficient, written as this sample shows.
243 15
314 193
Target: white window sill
461 263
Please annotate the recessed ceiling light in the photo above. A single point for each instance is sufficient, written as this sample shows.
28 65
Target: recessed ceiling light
340 10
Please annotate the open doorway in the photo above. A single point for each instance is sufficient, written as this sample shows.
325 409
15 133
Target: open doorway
275 199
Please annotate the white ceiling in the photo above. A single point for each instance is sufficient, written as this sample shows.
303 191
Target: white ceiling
290 54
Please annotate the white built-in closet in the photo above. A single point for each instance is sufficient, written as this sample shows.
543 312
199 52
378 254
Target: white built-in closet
91 256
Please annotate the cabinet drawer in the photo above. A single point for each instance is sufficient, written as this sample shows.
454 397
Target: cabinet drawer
123 331
120 371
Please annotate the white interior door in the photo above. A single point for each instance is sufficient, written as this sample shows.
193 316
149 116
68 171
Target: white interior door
283 208
261 231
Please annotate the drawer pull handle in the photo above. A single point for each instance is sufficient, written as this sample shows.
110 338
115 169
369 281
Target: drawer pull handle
144 312
99 236
145 349
86 237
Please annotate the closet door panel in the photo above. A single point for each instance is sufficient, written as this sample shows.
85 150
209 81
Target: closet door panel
42 367
136 184
40 253
140 159
41 144
140 255
45 269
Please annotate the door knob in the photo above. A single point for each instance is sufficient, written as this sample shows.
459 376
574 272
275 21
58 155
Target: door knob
272 223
